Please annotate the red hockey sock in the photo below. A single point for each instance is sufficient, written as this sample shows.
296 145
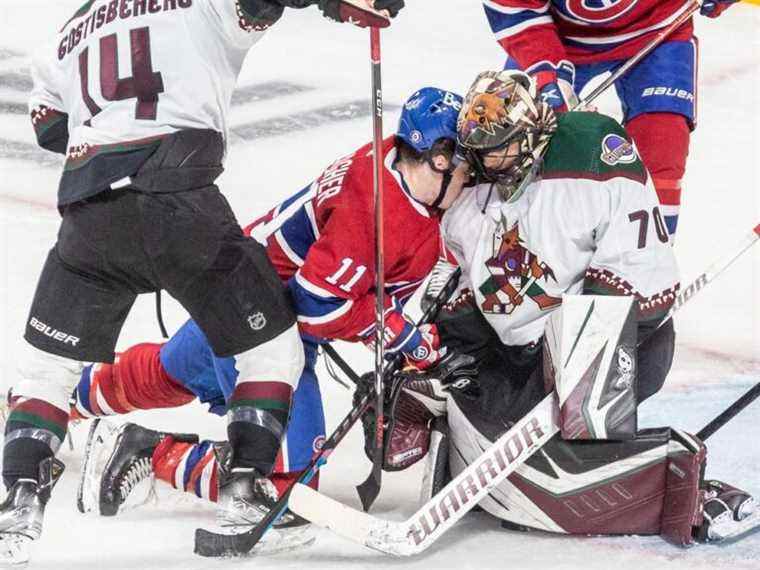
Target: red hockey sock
135 381
663 142
193 468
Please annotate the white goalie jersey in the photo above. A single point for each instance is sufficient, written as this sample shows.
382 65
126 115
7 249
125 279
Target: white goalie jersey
128 70
582 227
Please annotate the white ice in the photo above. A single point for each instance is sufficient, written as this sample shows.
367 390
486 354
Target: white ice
443 43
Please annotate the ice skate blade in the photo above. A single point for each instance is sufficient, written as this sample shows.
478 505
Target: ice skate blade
99 440
744 529
14 550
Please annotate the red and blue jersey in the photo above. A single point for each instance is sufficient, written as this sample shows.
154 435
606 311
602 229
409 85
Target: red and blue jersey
541 32
321 242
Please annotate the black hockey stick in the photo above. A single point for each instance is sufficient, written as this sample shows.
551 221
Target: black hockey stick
370 488
213 544
726 415
342 364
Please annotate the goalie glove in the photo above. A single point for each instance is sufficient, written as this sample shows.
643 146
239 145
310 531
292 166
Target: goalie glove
361 13
409 417
714 8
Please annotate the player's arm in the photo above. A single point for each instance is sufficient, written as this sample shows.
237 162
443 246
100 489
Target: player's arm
527 32
334 293
258 15
47 112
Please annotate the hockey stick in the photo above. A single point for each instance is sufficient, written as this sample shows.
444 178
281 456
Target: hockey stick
435 517
686 12
370 488
342 364
724 417
213 544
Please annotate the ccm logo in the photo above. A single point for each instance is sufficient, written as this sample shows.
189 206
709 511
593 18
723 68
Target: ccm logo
55 334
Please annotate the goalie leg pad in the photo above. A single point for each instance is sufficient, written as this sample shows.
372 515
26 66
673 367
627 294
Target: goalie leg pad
590 344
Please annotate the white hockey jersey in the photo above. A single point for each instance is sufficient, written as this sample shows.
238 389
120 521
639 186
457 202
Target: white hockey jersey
128 70
590 223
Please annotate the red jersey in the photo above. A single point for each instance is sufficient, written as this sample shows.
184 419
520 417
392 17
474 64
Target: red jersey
582 31
322 243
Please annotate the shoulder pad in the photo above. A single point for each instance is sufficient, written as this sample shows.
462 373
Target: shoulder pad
592 146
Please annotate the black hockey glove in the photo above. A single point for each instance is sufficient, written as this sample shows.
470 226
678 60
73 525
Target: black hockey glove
357 12
258 15
409 415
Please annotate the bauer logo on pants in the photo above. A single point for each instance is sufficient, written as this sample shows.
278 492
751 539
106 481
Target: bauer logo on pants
55 334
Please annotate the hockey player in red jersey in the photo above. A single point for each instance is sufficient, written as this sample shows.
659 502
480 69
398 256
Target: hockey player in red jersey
320 240
566 43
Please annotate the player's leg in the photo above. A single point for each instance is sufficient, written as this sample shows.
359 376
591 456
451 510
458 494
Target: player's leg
132 453
228 285
76 316
148 376
659 98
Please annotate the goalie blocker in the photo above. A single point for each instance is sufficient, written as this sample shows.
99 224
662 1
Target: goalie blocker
599 474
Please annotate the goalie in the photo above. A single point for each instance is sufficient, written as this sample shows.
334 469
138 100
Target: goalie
567 276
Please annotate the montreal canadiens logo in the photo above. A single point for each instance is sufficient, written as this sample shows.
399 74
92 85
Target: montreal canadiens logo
599 11
617 150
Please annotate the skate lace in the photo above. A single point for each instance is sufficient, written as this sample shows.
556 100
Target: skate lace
138 471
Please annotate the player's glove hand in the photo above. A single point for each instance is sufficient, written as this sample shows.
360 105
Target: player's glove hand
259 15
555 86
714 8
420 346
361 12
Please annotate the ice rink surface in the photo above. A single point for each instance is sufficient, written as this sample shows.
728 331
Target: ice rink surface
302 103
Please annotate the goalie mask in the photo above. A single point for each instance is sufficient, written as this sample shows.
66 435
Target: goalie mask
504 129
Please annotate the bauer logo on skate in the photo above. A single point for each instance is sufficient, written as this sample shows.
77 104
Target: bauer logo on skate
515 449
599 11
617 150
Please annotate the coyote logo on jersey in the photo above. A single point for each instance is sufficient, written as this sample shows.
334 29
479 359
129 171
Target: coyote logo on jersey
515 273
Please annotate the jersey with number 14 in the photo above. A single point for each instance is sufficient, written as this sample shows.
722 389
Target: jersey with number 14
322 243
590 224
127 70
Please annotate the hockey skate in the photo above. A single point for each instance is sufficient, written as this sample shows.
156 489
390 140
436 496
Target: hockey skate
22 512
245 498
730 514
117 470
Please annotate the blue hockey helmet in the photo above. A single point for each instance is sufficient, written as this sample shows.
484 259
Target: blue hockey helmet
428 115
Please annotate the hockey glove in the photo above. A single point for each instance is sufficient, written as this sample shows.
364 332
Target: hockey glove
420 346
555 85
258 15
714 8
456 372
360 12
